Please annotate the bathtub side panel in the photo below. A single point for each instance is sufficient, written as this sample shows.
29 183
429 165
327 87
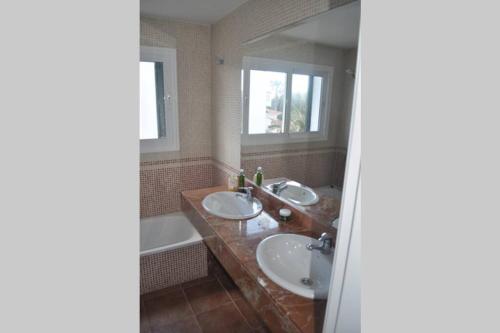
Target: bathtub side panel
171 267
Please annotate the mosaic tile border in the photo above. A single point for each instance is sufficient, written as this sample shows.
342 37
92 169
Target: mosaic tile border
293 151
161 185
314 169
174 161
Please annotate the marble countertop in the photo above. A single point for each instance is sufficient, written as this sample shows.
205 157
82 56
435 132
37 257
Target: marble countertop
234 243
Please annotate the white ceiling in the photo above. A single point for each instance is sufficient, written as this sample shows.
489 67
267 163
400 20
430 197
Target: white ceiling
196 11
338 27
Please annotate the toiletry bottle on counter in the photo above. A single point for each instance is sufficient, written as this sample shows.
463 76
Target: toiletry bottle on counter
241 178
232 183
258 177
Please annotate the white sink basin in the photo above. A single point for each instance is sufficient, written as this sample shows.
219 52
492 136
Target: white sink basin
286 261
298 194
231 205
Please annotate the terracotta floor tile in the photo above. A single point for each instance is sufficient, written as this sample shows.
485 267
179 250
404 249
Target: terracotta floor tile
144 319
188 325
166 309
228 284
249 313
225 318
261 329
207 296
160 292
192 283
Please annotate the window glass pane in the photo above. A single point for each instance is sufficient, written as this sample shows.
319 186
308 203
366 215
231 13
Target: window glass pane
316 103
148 114
300 103
267 102
242 99
305 103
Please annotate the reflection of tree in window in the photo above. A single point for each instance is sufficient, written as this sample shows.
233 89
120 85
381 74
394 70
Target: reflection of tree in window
296 97
274 112
298 113
267 100
305 103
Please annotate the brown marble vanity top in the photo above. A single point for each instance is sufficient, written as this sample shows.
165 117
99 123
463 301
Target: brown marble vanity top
325 211
234 244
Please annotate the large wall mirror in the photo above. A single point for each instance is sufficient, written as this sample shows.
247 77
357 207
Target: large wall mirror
297 91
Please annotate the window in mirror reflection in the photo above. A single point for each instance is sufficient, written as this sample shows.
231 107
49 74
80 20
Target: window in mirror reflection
267 102
284 101
305 105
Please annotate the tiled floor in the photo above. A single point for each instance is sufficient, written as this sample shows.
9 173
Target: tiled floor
210 304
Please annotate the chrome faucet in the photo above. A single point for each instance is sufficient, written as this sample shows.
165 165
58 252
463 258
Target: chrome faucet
248 192
326 244
279 187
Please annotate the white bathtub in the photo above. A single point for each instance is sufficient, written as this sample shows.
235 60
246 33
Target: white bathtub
167 232
172 252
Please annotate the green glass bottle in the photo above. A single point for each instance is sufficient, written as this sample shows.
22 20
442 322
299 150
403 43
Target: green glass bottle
258 177
241 178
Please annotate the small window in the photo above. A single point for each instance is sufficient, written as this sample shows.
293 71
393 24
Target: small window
284 101
158 100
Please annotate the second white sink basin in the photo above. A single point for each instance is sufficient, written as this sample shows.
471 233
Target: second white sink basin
300 195
231 205
285 259
295 192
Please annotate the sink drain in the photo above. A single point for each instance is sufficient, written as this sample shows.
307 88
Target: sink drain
306 281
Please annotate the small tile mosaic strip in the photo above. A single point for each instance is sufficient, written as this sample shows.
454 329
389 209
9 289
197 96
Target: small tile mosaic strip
339 170
221 172
293 151
161 182
161 185
171 267
312 169
227 168
219 176
175 161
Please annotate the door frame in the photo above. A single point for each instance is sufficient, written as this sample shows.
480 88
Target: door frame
351 198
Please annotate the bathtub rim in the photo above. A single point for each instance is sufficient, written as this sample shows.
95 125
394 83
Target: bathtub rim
195 238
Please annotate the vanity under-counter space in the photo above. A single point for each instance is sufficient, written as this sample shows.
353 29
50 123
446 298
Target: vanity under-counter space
234 244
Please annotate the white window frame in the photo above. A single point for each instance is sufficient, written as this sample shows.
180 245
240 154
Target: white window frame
168 56
290 68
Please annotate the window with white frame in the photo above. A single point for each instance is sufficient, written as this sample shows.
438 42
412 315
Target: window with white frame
284 101
159 129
